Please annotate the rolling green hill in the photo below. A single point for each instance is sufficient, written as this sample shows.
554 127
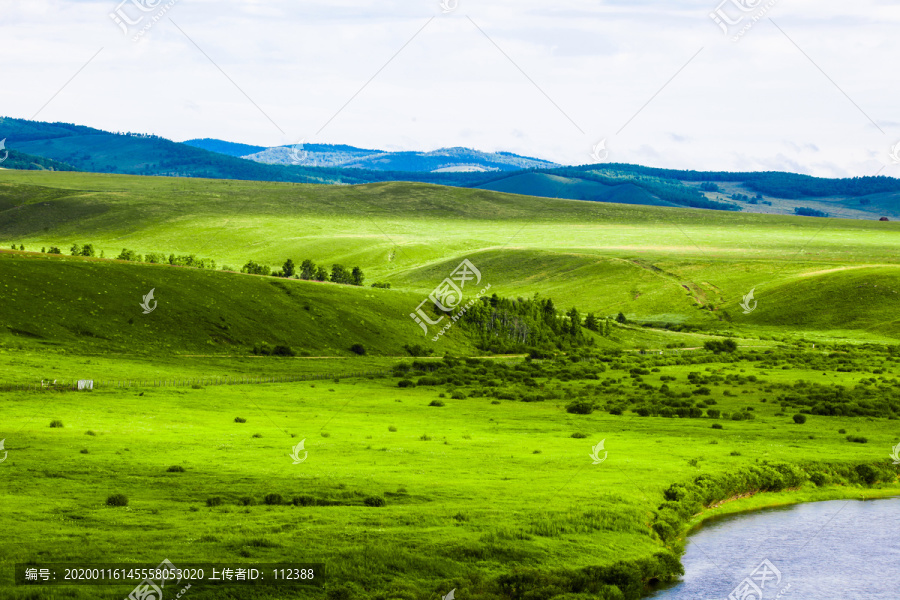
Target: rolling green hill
93 305
655 264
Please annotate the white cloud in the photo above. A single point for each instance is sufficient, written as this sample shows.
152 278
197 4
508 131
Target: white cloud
756 104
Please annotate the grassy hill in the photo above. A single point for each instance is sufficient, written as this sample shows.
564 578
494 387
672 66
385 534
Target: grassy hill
93 305
654 264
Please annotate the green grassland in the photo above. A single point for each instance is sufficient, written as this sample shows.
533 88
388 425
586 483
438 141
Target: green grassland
472 488
483 464
652 263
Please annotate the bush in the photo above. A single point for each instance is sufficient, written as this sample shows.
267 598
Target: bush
717 426
579 436
405 383
358 349
392 429
89 432
240 420
374 501
175 469
713 413
458 396
819 479
56 424
282 350
117 500
273 499
799 419
858 439
436 403
737 417
580 407
247 501
214 501
719 346
84 451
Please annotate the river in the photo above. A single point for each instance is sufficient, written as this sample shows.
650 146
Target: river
831 550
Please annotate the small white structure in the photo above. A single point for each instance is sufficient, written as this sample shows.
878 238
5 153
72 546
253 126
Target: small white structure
85 384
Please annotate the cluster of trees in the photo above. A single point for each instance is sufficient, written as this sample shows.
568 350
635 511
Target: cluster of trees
517 325
805 211
309 271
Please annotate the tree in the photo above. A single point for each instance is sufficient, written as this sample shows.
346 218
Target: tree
22 247
75 250
87 250
339 274
799 419
357 277
590 322
288 269
44 250
54 250
307 270
621 318
321 274
254 268
574 321
129 255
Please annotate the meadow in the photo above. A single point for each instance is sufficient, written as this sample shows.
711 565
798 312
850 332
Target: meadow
461 469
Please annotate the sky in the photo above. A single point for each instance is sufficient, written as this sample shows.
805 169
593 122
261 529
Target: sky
791 85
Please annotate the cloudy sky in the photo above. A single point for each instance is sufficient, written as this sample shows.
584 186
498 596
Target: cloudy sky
797 85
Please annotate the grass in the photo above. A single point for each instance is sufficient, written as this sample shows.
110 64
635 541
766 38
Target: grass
540 503
395 496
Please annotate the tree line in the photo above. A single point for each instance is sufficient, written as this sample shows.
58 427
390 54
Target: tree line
307 271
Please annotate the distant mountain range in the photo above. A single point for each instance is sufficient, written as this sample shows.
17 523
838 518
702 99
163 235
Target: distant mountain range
445 160
63 146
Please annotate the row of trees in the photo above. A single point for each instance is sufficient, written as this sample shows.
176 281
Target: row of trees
309 271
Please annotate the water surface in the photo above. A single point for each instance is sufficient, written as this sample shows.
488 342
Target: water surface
819 551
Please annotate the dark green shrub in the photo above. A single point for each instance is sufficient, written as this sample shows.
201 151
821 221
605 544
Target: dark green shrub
240 420
273 499
214 501
458 396
713 413
117 500
247 501
717 426
303 501
799 419
819 479
358 349
579 436
374 501
436 403
56 424
405 383
175 469
580 407
857 439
